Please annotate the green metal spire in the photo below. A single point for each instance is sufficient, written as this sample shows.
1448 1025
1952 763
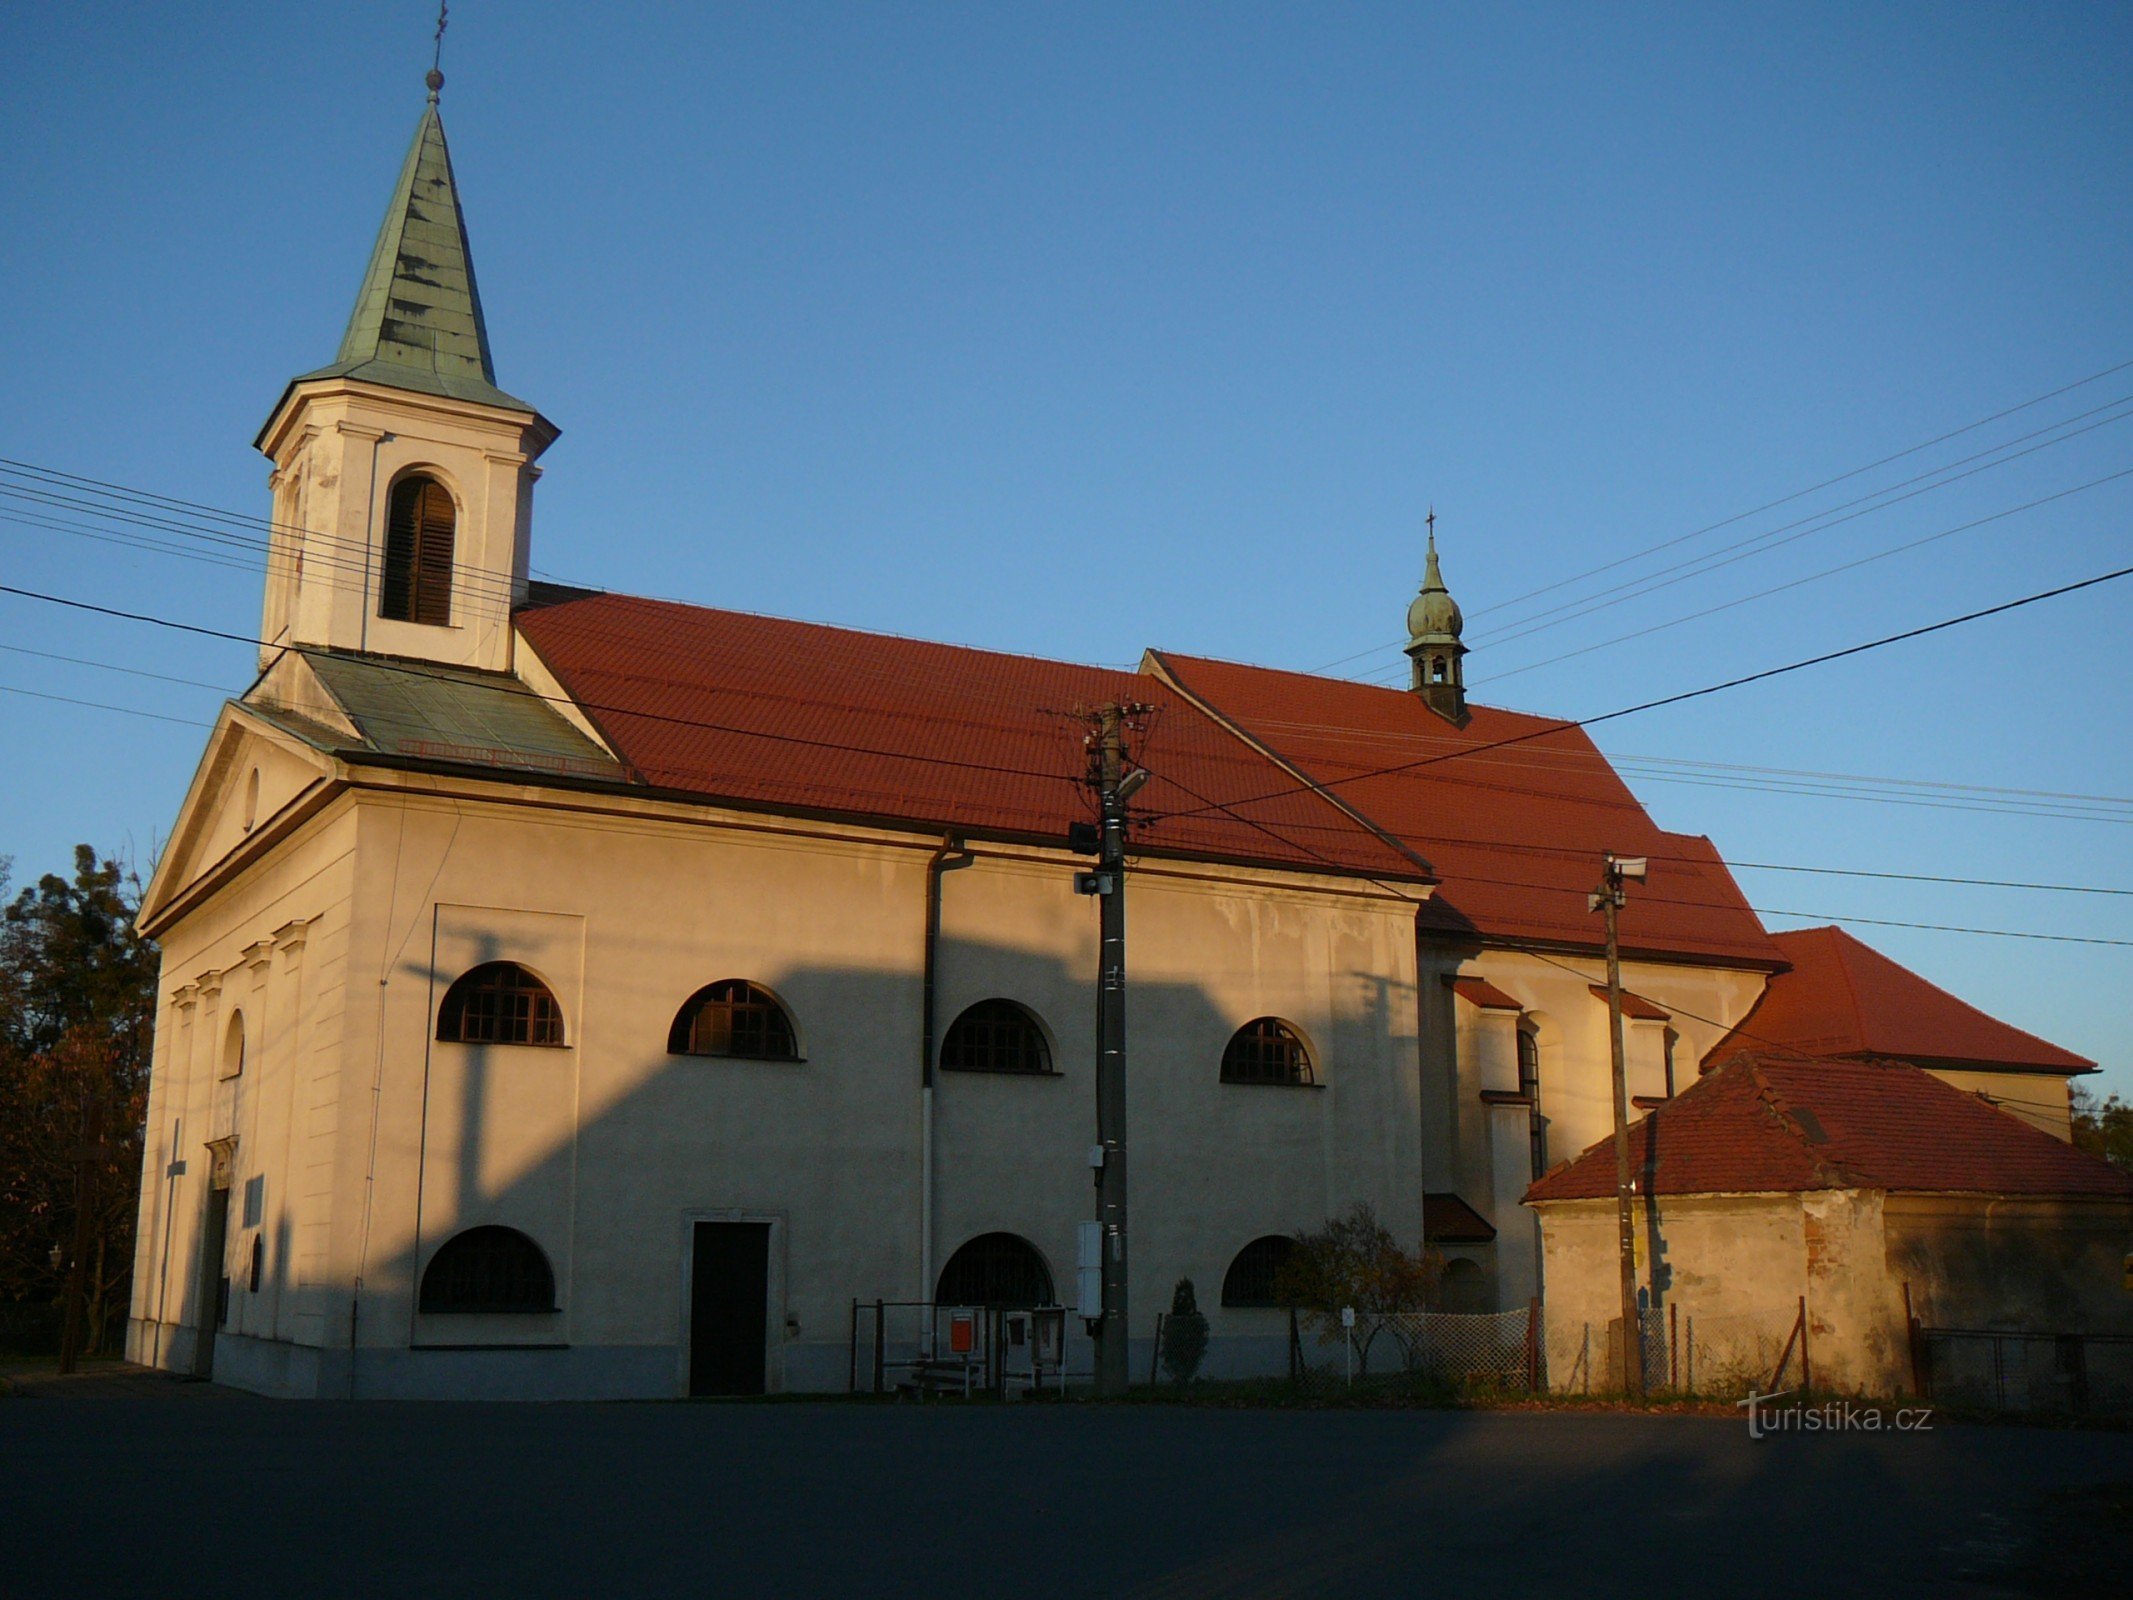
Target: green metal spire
417 322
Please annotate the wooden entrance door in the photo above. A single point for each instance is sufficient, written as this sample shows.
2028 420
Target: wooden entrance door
729 1307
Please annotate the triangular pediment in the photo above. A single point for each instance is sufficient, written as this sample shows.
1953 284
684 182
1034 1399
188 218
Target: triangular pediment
253 779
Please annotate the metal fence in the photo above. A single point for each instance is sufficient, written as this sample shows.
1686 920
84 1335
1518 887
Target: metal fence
1691 1354
921 1347
1498 1351
2009 1370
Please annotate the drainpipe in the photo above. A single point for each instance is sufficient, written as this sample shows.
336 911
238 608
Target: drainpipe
947 858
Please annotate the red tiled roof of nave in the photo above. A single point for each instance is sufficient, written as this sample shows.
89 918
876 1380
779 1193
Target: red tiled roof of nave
1845 998
1516 834
1763 1124
801 716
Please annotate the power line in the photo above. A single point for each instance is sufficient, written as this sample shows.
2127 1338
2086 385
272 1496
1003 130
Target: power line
1762 543
1685 695
1943 927
110 666
1812 577
930 758
102 705
1677 769
1801 494
1771 505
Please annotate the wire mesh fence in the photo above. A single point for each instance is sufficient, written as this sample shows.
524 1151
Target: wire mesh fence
1462 1352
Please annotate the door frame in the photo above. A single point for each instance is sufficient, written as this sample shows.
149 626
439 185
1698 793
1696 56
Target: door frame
774 1276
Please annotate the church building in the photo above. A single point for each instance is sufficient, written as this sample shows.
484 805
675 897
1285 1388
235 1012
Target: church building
573 995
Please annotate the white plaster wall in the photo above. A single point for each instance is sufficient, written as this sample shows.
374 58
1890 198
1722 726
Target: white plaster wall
272 945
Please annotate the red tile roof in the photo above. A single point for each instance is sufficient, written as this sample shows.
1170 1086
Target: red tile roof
1633 1005
796 716
1485 994
1516 834
1845 998
1766 1124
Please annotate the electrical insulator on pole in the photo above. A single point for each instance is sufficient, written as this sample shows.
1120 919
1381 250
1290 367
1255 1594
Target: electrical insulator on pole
1115 781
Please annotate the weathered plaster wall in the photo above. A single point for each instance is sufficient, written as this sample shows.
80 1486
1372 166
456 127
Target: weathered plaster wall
1727 1273
1973 1261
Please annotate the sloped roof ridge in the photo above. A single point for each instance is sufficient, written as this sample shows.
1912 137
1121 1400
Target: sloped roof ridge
1833 1172
1838 943
1352 683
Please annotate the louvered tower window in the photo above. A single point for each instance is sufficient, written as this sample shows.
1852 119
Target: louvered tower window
417 584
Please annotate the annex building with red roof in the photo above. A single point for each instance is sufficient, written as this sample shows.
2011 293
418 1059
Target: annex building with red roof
1856 1192
570 994
1840 999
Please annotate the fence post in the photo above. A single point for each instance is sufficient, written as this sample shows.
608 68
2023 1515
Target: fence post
851 1384
1156 1354
1910 1336
1807 1372
1690 1364
879 1325
1673 1344
1533 1345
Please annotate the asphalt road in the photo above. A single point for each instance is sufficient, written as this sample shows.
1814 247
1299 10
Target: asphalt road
147 1498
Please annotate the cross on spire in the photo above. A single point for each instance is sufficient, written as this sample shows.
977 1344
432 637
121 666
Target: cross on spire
435 77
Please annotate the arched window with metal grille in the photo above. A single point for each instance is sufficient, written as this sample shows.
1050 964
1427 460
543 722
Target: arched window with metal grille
995 1269
996 1036
500 1002
733 1018
420 526
1251 1277
1267 1050
488 1269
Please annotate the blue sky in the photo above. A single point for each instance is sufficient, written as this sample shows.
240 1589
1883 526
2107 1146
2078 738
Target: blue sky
1080 329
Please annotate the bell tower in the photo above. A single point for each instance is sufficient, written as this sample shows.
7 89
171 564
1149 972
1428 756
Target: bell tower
403 476
1433 645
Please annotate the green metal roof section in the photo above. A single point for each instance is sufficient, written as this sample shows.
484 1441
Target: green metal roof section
417 322
454 715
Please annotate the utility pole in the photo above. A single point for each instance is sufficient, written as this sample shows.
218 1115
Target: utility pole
87 1156
1609 899
1115 781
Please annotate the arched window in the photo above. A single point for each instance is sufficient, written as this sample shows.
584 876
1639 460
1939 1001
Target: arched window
259 1261
1529 1085
233 1046
1266 1050
1436 669
499 1002
995 1269
996 1036
417 582
733 1018
488 1269
1250 1279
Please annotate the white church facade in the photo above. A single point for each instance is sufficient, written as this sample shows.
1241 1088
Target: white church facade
573 995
